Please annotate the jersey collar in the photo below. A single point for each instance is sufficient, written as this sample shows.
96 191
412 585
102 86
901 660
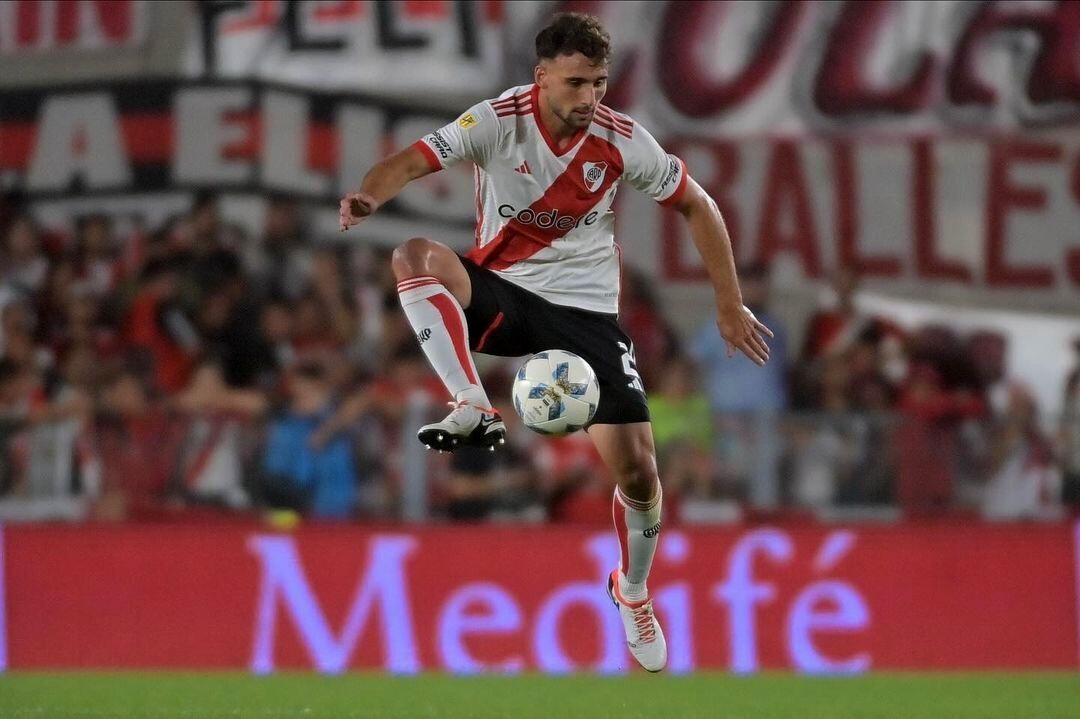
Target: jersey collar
551 143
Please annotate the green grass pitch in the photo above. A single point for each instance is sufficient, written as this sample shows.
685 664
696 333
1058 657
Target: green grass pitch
715 696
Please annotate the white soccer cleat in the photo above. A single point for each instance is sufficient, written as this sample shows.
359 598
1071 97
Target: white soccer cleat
643 633
465 425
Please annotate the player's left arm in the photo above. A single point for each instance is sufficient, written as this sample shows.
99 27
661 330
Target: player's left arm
664 178
739 327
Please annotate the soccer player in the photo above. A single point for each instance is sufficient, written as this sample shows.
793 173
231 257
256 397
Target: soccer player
544 273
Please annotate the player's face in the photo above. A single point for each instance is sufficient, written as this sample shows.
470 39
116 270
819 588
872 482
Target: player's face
573 86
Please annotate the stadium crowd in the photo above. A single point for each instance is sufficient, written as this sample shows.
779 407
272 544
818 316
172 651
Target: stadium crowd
191 369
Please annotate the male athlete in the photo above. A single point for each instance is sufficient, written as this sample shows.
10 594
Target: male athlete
544 273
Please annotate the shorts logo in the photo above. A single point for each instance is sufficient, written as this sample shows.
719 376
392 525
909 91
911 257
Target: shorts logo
423 335
652 531
594 174
466 121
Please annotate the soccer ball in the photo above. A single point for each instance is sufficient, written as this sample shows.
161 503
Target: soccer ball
556 392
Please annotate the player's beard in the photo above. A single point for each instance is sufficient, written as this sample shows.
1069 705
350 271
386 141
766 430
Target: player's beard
576 120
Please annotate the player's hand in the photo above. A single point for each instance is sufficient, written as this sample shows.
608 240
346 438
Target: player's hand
356 207
744 333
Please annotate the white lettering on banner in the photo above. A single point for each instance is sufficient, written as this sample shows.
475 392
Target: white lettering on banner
488 609
78 138
805 616
285 145
3 608
741 593
550 656
383 582
203 133
850 614
501 615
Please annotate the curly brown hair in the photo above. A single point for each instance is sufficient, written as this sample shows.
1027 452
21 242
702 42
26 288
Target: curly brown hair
571 32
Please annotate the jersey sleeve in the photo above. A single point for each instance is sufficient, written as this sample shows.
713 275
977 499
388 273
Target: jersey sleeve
652 170
473 137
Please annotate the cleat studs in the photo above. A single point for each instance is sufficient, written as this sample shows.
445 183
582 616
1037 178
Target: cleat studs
491 448
440 437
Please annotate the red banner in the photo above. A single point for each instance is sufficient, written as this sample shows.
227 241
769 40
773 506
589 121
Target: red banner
333 598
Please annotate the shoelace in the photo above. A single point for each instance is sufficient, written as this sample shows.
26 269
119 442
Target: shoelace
643 621
458 406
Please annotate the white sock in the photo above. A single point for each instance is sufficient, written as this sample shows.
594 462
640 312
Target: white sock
638 527
443 334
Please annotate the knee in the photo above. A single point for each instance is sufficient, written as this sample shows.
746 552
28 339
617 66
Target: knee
413 257
635 472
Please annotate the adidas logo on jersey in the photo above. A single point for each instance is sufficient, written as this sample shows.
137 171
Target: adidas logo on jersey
523 168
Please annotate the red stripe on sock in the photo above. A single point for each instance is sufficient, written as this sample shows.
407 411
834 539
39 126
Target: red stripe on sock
447 307
417 286
618 514
420 278
638 504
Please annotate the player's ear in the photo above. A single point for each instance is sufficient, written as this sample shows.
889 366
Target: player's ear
539 72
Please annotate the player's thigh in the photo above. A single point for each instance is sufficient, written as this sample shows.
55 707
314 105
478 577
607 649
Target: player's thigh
496 316
600 341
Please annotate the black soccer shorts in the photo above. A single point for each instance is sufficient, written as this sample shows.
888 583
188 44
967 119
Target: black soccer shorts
508 321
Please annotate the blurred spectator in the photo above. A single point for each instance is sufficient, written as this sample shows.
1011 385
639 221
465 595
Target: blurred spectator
281 263
502 485
96 264
157 326
575 479
1024 482
683 431
138 442
275 333
228 325
930 414
836 324
211 461
680 411
319 479
639 314
744 394
23 262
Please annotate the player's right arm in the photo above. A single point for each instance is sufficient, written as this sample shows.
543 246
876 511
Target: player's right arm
472 137
382 183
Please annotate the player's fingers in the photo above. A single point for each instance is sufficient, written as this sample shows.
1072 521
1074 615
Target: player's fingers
762 328
730 348
753 353
760 345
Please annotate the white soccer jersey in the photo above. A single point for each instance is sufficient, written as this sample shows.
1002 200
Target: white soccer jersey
544 218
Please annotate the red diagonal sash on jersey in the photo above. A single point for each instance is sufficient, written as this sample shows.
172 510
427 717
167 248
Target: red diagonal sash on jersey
569 195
